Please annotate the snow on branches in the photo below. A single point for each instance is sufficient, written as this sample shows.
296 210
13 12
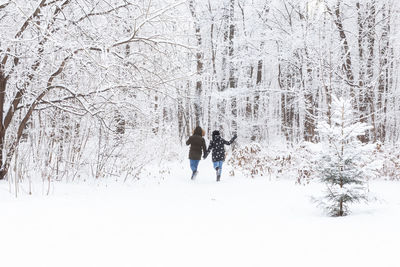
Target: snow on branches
342 159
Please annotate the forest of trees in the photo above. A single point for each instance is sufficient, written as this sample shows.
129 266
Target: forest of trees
87 86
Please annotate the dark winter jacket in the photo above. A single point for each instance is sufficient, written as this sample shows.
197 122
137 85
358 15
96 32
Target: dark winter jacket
197 143
217 147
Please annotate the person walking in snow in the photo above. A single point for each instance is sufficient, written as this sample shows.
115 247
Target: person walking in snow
218 151
197 144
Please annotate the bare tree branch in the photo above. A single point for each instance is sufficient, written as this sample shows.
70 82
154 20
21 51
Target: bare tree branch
101 13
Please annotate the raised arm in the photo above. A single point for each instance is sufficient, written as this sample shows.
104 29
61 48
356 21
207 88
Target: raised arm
230 141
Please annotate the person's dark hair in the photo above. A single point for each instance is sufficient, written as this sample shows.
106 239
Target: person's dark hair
198 131
215 133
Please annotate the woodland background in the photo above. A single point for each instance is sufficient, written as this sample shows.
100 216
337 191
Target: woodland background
102 88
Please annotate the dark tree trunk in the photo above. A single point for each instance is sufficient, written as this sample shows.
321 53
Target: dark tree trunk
384 68
347 62
256 134
309 120
232 68
366 99
199 62
3 83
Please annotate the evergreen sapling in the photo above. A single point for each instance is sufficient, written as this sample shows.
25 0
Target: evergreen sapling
341 159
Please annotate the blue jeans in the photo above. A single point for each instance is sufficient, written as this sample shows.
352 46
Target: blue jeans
218 164
193 164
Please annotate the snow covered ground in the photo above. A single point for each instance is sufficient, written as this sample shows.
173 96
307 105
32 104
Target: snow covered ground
177 222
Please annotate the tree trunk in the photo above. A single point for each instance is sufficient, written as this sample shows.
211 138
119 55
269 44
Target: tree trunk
232 68
347 64
384 68
3 83
366 101
309 121
256 134
199 63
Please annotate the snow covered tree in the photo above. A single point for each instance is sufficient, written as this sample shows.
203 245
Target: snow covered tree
342 157
86 58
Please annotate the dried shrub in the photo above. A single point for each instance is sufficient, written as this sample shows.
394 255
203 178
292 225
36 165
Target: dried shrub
254 160
389 162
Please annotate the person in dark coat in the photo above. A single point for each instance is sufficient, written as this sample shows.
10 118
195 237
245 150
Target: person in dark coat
218 151
197 145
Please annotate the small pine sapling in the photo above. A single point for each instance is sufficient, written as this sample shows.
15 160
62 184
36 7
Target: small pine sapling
341 159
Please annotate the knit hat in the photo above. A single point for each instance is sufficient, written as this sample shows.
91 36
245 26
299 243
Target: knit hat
215 133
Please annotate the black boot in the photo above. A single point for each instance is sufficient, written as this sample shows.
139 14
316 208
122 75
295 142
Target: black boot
218 175
194 175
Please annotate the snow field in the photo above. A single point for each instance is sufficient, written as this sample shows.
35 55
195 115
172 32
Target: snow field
178 222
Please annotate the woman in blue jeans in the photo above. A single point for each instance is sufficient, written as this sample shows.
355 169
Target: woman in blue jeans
218 151
197 145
